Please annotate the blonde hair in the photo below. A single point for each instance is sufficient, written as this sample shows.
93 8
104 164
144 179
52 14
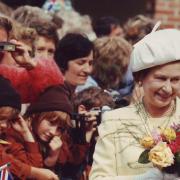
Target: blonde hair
111 60
25 34
26 14
7 24
75 22
5 9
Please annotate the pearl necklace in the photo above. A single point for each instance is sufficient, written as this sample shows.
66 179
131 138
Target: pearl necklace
145 116
167 113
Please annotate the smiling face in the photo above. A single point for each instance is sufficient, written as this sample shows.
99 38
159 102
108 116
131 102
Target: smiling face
79 69
161 85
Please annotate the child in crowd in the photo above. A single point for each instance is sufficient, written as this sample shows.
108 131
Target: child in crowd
92 97
49 118
86 102
20 159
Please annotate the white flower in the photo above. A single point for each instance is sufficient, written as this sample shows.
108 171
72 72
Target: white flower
161 155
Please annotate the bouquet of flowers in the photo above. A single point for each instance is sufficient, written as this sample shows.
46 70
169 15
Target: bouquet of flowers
162 148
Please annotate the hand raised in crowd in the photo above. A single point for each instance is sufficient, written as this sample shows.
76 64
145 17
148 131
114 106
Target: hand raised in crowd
55 146
43 174
22 56
90 124
21 126
55 143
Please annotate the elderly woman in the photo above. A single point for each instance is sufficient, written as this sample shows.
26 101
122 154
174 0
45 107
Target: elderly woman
156 66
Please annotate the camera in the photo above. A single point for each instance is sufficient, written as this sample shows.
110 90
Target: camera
79 132
96 111
7 46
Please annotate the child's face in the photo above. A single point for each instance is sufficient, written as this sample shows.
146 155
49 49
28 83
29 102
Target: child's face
44 47
47 129
5 116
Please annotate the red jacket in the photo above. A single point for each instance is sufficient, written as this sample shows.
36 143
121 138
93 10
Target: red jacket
69 152
72 153
10 154
71 158
30 152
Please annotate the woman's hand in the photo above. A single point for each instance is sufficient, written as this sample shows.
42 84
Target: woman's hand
55 144
21 126
90 125
43 174
21 55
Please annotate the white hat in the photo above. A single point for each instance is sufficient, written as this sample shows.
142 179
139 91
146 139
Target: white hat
156 48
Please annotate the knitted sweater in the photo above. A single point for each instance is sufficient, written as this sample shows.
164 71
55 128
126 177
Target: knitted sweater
30 83
20 163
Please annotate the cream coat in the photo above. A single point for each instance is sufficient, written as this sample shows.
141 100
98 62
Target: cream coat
117 150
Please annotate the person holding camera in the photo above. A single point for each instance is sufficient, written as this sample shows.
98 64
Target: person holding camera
91 102
24 72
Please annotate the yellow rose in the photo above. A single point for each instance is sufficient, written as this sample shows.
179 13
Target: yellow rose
169 134
147 142
161 155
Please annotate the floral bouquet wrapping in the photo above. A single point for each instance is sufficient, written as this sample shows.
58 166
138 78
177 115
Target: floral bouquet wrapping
162 148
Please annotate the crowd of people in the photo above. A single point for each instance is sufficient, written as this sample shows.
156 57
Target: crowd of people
78 97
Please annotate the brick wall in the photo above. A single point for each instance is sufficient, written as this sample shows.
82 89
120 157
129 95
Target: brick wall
168 11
